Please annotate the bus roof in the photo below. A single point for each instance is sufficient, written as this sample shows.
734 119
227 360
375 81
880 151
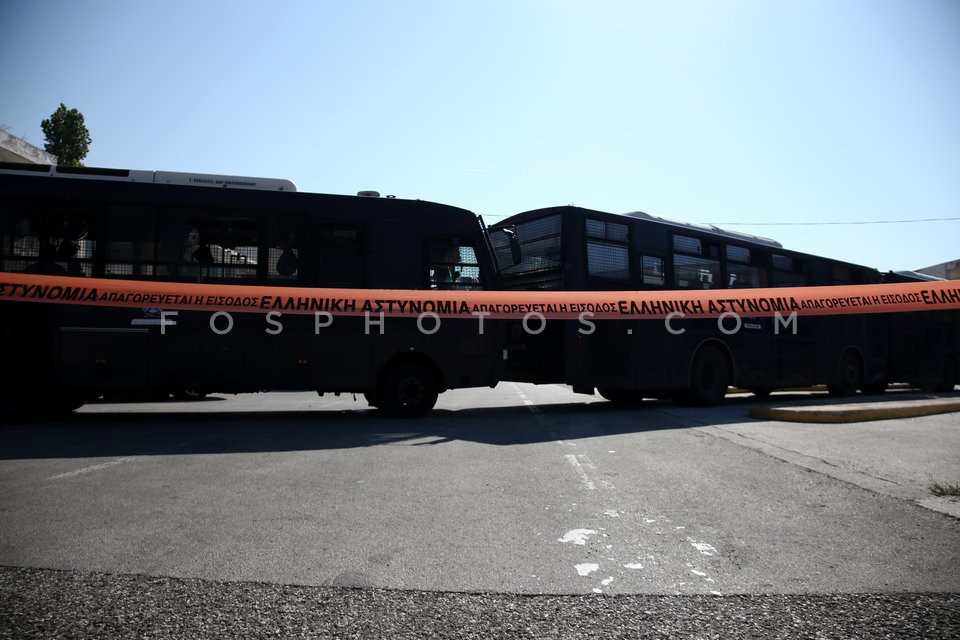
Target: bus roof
706 227
157 177
641 215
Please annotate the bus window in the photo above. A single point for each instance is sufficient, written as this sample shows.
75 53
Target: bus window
130 246
608 261
652 271
540 243
340 255
49 240
844 274
741 270
606 230
285 251
608 250
224 244
20 246
696 264
453 266
788 272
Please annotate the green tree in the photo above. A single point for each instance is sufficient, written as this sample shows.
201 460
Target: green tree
67 136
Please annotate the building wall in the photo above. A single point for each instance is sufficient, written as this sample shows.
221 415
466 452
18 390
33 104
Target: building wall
14 149
947 270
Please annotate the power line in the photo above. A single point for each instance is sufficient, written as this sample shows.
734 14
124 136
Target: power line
817 224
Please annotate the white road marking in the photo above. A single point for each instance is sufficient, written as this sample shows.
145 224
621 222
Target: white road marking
92 468
578 466
587 568
577 536
703 547
526 399
584 467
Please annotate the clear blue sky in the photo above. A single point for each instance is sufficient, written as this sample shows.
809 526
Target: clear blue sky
735 112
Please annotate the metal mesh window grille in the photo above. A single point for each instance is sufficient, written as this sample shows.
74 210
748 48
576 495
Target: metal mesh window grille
608 260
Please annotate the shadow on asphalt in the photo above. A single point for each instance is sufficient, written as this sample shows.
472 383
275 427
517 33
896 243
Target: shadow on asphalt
183 432
175 431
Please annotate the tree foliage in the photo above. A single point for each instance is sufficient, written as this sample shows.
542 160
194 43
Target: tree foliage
67 136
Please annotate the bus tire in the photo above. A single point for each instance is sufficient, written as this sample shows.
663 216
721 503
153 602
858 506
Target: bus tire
709 377
849 375
409 390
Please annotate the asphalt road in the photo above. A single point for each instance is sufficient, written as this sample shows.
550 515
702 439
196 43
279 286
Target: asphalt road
512 507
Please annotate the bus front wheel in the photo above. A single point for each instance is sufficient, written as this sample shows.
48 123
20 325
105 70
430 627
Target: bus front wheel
409 390
709 378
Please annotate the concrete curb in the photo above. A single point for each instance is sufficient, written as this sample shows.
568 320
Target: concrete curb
861 412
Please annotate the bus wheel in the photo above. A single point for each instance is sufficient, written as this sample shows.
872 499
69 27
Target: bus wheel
409 390
709 377
849 376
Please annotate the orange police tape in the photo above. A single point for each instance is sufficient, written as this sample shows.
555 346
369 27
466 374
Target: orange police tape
600 305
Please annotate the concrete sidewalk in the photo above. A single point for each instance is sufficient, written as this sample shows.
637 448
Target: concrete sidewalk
869 408
899 444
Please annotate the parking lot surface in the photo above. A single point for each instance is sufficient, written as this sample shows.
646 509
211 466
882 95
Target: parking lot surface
502 513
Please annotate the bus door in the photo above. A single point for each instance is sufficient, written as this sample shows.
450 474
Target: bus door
603 354
340 345
796 348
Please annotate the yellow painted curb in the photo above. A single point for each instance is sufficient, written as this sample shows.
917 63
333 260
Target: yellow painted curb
858 413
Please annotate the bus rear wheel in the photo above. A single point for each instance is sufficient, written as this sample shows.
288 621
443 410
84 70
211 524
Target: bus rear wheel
849 376
409 390
709 378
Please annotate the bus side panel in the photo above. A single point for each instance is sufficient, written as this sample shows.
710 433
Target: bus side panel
100 360
28 350
454 348
865 335
468 357
540 356
281 346
604 358
920 341
342 353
